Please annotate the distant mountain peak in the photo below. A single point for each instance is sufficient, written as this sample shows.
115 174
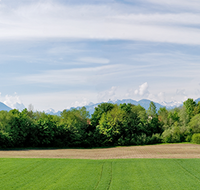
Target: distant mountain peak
19 106
171 104
91 106
4 107
50 110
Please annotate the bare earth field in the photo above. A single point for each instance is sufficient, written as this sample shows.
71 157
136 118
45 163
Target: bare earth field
150 151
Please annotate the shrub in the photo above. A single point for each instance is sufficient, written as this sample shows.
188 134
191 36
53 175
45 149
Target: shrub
194 125
155 138
174 135
196 138
5 140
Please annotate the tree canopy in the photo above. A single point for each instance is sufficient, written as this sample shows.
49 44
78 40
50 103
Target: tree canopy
109 125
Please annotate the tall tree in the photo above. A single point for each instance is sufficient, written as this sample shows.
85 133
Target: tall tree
194 124
110 126
189 105
99 110
163 116
76 121
141 112
152 112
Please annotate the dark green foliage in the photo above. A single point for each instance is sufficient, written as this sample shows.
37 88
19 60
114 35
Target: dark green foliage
99 110
123 126
76 122
110 125
196 109
5 140
173 117
20 125
133 126
46 130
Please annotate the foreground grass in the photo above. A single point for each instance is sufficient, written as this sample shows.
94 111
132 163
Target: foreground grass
17 173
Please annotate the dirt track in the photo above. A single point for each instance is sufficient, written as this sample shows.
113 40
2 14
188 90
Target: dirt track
151 151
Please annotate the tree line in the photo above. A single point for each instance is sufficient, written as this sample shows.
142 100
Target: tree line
109 125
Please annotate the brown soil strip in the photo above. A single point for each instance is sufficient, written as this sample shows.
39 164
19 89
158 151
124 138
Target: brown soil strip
150 151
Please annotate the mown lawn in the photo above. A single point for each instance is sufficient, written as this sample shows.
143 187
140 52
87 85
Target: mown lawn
18 173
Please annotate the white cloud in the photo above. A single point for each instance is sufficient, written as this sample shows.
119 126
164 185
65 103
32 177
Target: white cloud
66 76
136 92
191 4
108 94
94 60
65 49
157 97
81 103
12 101
171 68
44 20
181 92
59 100
161 97
160 18
112 91
143 89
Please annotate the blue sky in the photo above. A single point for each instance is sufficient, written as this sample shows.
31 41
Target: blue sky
63 53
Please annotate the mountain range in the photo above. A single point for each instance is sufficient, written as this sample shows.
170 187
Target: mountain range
4 107
144 103
91 106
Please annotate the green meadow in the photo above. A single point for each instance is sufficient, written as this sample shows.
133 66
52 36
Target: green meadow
22 173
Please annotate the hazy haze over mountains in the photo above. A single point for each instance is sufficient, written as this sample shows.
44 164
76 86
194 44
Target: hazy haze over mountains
91 106
144 103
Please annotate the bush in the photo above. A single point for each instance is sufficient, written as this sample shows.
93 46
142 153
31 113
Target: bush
174 135
194 125
144 139
5 140
156 138
196 138
189 138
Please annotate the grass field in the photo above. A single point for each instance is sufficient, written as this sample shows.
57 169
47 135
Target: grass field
43 173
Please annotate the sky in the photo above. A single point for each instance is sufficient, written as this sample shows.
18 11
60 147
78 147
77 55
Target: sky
66 53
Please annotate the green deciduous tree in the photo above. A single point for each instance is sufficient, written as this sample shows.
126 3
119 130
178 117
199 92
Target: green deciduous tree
183 116
196 109
99 110
152 112
173 117
190 105
20 127
163 115
76 121
194 124
141 112
196 138
110 126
